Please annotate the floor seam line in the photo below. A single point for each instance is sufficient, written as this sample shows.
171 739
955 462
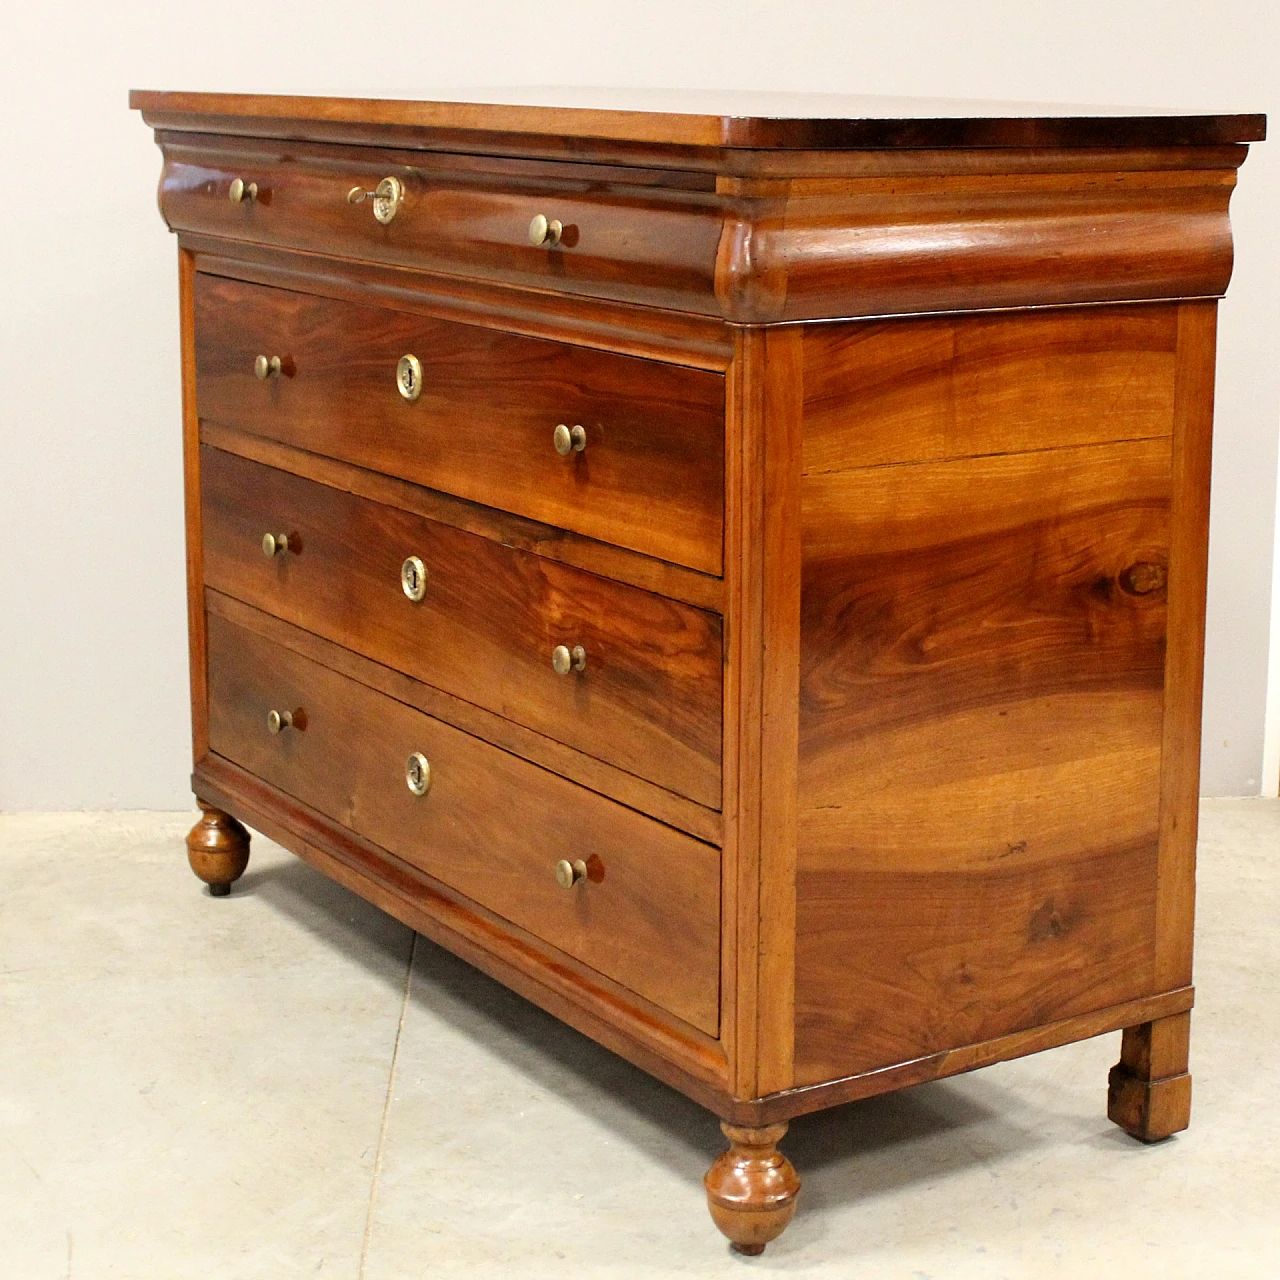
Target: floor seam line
386 1112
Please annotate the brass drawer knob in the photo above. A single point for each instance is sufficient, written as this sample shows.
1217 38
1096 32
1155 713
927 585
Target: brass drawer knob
387 197
242 191
413 578
569 440
274 544
409 377
544 230
569 873
417 773
564 659
278 720
265 367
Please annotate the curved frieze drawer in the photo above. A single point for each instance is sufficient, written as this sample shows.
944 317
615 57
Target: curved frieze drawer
600 238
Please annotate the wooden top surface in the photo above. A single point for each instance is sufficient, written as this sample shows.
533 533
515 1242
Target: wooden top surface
729 118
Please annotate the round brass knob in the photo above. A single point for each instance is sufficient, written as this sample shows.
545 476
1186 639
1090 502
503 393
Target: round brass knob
409 377
274 544
265 367
277 720
569 873
387 197
569 440
413 578
241 190
417 773
544 230
564 659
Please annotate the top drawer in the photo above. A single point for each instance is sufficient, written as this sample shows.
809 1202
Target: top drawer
462 216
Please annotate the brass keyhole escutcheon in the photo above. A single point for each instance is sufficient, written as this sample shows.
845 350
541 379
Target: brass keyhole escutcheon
417 773
569 873
569 440
564 659
413 578
409 377
387 197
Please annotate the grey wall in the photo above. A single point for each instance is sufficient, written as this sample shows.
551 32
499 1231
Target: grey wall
92 625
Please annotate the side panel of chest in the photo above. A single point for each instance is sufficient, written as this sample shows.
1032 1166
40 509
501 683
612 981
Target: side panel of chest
986 547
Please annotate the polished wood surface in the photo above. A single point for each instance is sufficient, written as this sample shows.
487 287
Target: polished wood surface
217 849
700 590
1149 1089
650 477
1184 663
648 700
888 734
753 250
752 1188
865 247
763 593
490 825
696 341
624 235
589 771
193 516
961 387
645 1034
981 709
712 118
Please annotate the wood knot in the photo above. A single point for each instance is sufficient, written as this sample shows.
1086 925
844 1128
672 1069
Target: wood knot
1142 578
1047 923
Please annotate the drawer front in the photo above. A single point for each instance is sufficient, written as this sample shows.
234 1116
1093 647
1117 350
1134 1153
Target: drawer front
490 825
647 700
458 215
650 476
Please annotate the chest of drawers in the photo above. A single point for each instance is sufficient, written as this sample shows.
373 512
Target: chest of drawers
734 573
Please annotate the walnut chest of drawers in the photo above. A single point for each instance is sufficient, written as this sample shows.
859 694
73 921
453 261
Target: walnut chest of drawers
733 573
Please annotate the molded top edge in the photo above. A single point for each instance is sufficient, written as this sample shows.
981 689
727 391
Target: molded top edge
733 119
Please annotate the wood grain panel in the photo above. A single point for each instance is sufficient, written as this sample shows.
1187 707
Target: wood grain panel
954 248
806 1099
661 576
980 725
957 387
191 508
675 337
1184 674
762 588
649 700
465 216
651 477
710 118
635 792
491 826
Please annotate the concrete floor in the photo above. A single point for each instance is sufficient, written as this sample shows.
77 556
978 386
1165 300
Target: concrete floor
287 1083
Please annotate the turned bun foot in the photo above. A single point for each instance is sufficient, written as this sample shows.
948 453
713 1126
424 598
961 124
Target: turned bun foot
1149 1089
218 849
751 1188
